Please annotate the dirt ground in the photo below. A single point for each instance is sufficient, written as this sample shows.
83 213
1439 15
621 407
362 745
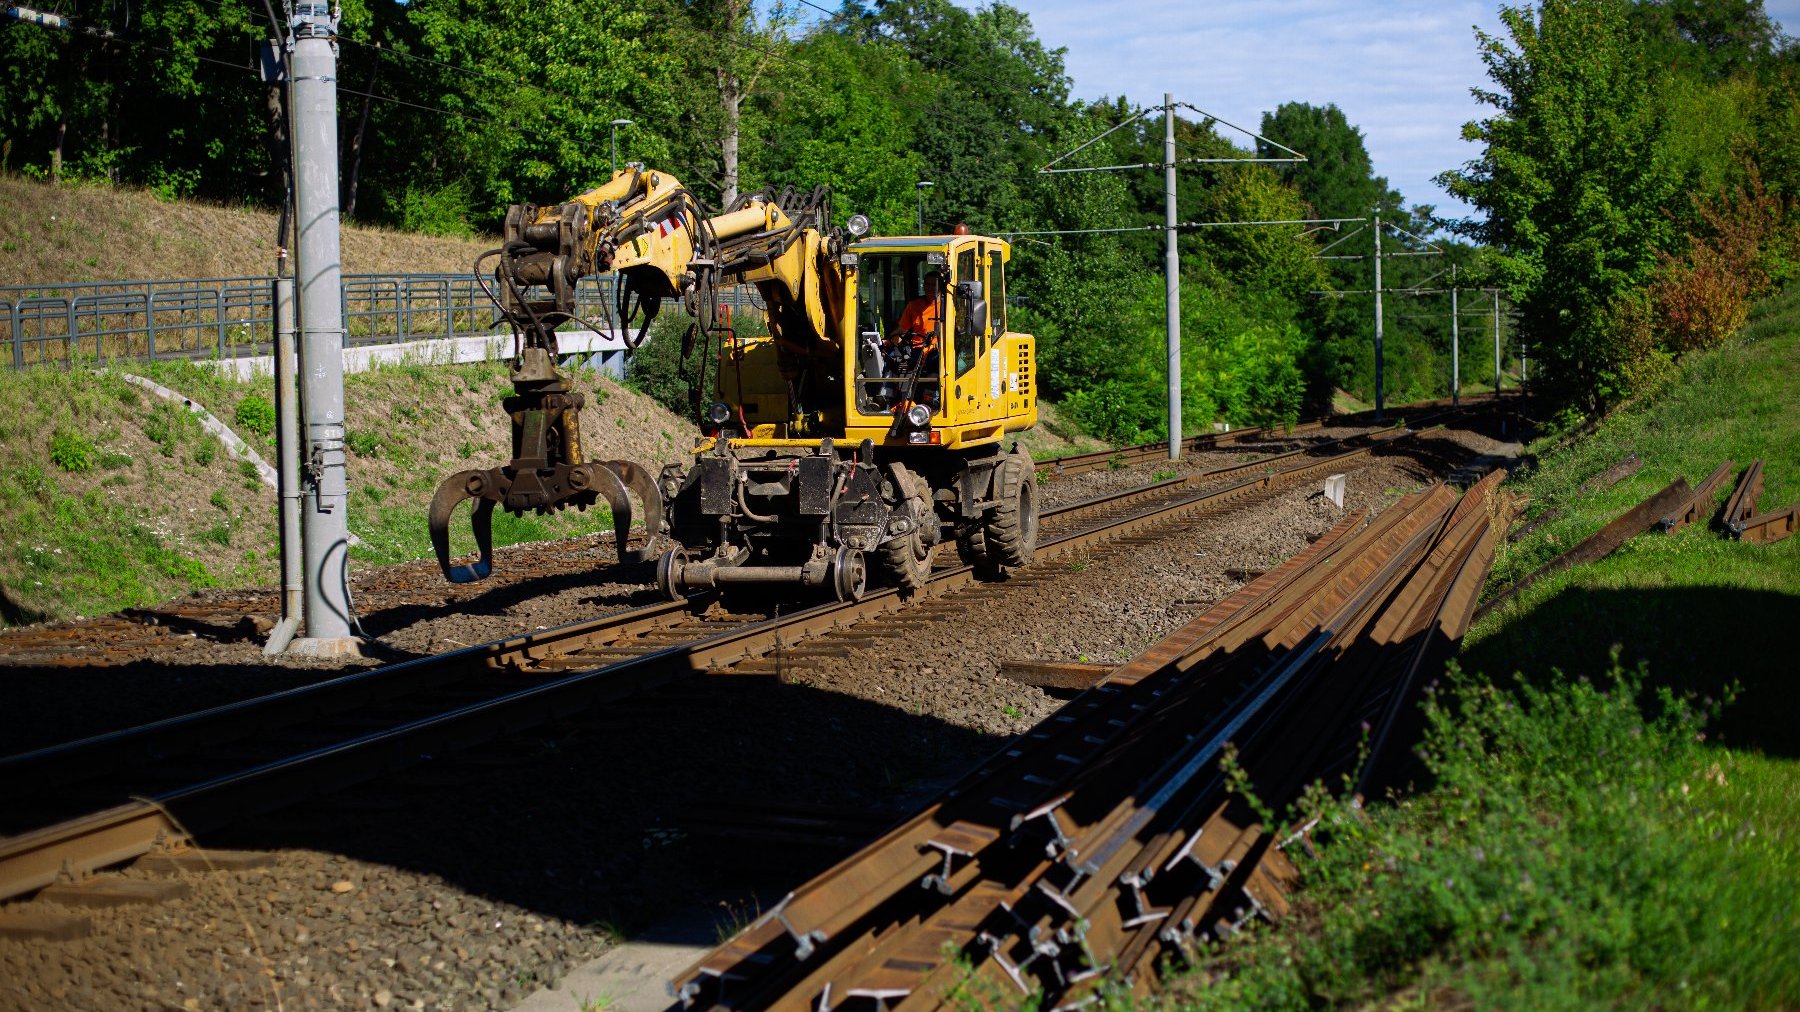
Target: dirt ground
482 876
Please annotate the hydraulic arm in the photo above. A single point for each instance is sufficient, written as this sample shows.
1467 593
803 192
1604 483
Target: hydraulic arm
646 228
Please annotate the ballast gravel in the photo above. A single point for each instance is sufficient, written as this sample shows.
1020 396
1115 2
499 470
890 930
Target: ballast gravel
480 877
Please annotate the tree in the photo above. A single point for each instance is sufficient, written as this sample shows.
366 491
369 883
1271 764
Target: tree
1337 179
1712 38
1574 180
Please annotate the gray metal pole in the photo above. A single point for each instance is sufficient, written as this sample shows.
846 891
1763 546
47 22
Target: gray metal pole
320 275
1378 403
1172 279
1455 345
287 452
1496 344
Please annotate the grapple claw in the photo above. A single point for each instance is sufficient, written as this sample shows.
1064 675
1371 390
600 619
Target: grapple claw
638 479
450 494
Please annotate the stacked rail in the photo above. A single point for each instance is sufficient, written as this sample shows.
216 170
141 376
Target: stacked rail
1112 836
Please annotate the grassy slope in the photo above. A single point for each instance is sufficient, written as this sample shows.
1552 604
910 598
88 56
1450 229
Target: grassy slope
1589 840
1699 608
89 232
160 509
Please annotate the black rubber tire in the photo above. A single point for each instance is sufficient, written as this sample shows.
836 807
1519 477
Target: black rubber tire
906 560
1010 528
971 546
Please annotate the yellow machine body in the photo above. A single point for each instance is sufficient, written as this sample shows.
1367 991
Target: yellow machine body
838 446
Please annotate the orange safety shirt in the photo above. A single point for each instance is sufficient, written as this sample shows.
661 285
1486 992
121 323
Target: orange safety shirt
919 323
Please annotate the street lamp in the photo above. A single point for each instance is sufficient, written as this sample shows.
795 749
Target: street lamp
616 124
924 184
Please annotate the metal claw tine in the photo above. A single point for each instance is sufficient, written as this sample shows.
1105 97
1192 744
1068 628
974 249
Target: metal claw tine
640 481
449 495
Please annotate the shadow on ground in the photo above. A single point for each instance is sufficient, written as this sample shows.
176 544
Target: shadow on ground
1702 640
588 819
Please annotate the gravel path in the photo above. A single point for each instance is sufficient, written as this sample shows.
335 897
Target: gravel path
472 881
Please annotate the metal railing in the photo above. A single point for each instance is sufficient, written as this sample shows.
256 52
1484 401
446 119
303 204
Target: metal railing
197 318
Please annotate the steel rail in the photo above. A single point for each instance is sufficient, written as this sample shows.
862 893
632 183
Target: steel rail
1034 869
36 858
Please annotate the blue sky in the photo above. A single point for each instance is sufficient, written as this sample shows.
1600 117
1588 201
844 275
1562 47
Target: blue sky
1400 69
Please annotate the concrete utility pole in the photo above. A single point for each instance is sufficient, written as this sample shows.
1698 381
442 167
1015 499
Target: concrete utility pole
1455 362
1172 270
1378 403
313 93
1496 343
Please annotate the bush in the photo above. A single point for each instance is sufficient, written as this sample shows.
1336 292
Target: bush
444 211
658 370
256 414
73 452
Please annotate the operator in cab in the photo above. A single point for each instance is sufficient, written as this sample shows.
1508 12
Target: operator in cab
912 344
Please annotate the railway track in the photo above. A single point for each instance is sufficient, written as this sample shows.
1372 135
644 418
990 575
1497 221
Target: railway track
76 808
1113 835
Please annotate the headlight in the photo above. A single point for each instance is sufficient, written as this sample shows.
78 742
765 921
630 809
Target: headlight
719 413
918 416
858 225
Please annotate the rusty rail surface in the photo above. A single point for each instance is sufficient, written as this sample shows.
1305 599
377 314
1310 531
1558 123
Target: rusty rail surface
1742 503
1768 528
1111 836
221 765
1742 520
1699 502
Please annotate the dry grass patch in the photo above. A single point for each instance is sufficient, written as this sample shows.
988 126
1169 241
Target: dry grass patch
92 232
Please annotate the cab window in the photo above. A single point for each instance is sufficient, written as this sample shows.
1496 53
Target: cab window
967 269
996 294
888 374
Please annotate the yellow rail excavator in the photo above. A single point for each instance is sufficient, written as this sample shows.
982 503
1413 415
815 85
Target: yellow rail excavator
867 426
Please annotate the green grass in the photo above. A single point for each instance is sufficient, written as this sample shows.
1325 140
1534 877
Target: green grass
395 532
1702 610
1590 845
1575 853
86 554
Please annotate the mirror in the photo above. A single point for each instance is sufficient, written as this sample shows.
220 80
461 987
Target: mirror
971 309
972 318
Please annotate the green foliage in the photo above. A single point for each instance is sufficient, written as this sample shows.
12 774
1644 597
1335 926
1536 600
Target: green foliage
1580 848
1574 178
659 370
72 451
255 414
442 210
1337 180
1240 363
